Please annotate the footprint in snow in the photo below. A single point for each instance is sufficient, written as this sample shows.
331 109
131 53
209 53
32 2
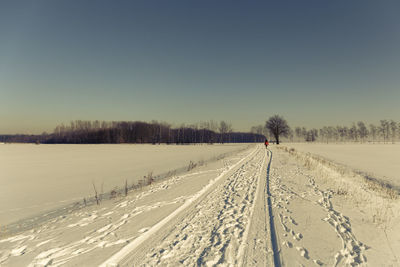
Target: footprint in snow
303 252
318 262
287 243
145 229
18 251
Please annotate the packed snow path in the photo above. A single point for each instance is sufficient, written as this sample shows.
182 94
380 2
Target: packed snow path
215 229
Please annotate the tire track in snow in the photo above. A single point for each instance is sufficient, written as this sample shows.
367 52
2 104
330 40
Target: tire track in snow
274 242
245 244
257 247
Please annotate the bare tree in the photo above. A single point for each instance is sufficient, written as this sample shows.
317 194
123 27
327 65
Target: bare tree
298 134
224 128
304 132
257 130
203 127
277 126
312 135
353 132
182 133
213 125
373 131
398 129
322 134
393 128
291 135
383 129
362 130
332 133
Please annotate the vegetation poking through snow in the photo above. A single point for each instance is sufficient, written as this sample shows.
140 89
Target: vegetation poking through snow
317 162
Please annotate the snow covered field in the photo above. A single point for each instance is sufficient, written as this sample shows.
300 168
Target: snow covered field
332 218
380 160
256 207
35 178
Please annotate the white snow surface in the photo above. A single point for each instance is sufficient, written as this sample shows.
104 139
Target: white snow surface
380 160
256 207
36 178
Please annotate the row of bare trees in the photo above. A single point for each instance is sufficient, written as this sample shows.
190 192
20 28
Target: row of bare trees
23 138
94 132
386 131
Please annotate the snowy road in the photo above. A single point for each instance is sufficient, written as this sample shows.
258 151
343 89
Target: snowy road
256 208
214 227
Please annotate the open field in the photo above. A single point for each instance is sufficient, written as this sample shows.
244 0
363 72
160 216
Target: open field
35 178
382 161
256 207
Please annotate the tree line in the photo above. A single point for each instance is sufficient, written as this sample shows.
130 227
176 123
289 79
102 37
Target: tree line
138 132
386 131
117 132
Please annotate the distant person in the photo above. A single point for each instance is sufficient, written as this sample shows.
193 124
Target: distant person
266 143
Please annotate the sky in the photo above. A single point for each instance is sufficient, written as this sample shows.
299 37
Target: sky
315 63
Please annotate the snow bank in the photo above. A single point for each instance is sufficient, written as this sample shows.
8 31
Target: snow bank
343 174
380 161
380 198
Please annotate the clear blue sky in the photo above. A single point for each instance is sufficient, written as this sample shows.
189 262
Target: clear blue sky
314 62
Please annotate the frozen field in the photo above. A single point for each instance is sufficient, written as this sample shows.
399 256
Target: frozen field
382 161
256 207
34 178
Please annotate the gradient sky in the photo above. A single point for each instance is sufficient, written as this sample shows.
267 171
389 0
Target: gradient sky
314 62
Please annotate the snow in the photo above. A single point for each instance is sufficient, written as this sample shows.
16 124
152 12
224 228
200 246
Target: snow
319 199
36 178
380 160
122 254
230 212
